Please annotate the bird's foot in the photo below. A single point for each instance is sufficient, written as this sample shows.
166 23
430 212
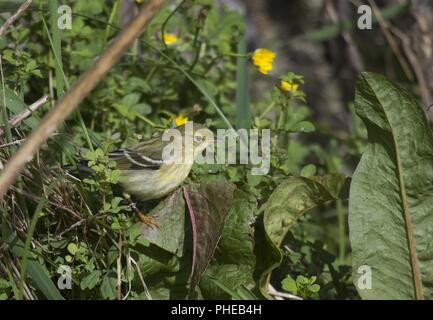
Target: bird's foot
149 221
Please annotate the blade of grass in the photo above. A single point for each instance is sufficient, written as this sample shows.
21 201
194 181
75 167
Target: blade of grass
38 274
243 112
12 280
113 14
176 66
59 67
56 46
82 87
226 289
5 117
30 231
193 81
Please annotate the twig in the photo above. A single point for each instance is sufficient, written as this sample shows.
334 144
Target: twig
417 68
128 272
84 85
15 16
11 143
119 270
146 290
24 114
353 53
394 46
273 292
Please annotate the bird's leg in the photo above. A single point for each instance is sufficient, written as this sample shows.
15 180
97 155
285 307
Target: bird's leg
149 221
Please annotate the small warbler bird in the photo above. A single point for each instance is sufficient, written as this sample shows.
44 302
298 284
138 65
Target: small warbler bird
154 168
145 172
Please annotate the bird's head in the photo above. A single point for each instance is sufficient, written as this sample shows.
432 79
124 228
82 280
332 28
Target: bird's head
199 134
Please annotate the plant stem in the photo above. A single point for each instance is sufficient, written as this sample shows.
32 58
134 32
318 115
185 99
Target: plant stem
341 230
164 24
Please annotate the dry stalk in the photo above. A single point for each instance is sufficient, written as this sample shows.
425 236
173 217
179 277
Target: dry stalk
84 85
14 17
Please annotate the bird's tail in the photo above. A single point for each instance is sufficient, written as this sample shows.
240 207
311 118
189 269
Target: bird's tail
79 167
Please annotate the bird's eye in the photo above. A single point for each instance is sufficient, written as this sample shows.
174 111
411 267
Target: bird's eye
198 138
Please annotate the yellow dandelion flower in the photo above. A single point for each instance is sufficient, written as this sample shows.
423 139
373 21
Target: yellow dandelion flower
288 86
180 120
263 59
169 38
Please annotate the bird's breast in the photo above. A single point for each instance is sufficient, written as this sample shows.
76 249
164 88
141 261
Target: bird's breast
154 184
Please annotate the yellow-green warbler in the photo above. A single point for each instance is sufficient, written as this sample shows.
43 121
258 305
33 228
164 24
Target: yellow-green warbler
149 172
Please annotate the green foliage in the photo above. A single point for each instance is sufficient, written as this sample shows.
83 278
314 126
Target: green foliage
245 223
302 286
390 219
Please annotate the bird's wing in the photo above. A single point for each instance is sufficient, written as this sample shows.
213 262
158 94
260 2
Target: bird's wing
146 155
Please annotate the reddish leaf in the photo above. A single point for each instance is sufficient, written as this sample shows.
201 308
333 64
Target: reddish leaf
210 202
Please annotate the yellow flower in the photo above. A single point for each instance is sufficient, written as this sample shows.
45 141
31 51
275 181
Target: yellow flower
288 86
169 38
262 59
180 120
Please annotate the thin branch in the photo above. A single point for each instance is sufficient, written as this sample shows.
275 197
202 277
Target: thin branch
84 85
15 16
146 290
388 36
119 270
273 292
11 144
416 66
14 121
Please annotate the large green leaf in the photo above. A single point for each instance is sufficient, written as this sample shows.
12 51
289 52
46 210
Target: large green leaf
289 201
390 216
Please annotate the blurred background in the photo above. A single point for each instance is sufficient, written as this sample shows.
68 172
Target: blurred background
320 40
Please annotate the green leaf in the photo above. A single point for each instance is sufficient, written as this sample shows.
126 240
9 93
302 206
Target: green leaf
314 288
131 99
142 108
289 284
303 126
72 248
91 280
390 204
295 196
289 201
308 171
108 287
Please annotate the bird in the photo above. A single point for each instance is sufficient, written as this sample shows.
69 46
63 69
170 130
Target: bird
146 171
